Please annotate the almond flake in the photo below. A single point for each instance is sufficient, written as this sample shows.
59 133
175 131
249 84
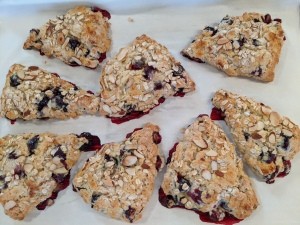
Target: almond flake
206 175
211 153
275 118
201 143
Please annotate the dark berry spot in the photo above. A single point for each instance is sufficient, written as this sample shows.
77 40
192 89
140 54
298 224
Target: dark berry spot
171 153
73 64
32 144
267 157
109 158
86 53
94 198
286 141
36 31
196 196
184 184
278 20
246 135
60 154
213 30
156 137
241 41
74 43
102 57
129 108
103 11
94 142
287 168
158 163
129 214
15 80
217 114
149 72
179 71
13 155
227 20
192 58
3 184
267 19
129 134
255 42
217 214
43 103
257 71
158 86
137 64
19 171
166 200
59 178
60 103
33 68
179 93
256 20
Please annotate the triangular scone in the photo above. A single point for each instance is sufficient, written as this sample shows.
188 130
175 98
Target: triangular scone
266 140
247 45
119 179
33 93
35 167
139 78
205 175
80 37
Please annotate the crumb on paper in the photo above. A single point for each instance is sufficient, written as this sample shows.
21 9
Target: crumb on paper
130 20
45 62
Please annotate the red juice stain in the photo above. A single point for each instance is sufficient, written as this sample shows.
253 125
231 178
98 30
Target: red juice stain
217 114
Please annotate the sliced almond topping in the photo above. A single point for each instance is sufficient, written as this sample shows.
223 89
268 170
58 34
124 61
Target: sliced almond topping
109 164
28 168
206 174
108 183
130 171
211 153
129 160
61 170
122 54
138 154
287 133
260 125
275 118
214 165
201 143
9 205
266 110
272 138
222 41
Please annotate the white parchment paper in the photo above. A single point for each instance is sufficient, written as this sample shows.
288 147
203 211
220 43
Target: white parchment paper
174 24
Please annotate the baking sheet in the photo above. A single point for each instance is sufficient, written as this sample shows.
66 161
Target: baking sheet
174 24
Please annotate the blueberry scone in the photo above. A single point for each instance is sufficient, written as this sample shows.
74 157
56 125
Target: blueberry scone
267 140
119 179
80 37
247 45
205 175
35 167
139 78
33 93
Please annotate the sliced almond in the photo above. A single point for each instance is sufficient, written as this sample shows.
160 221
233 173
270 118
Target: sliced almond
275 118
28 168
222 41
122 54
61 170
272 138
9 205
260 125
266 110
256 136
206 174
109 164
201 143
214 165
129 160
287 133
130 171
211 153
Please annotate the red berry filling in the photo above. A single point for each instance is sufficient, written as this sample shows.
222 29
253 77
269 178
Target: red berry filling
93 144
217 114
169 202
270 179
171 153
103 11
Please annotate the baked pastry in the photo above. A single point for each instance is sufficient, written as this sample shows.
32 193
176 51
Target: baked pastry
35 167
119 179
205 175
80 37
33 93
139 78
247 45
266 140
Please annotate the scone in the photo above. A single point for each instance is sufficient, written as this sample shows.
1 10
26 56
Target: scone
140 77
33 93
266 140
205 175
35 167
119 179
80 37
247 45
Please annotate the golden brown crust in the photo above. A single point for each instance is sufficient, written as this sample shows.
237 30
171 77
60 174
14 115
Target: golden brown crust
77 38
119 179
247 45
33 93
29 164
266 139
206 175
139 76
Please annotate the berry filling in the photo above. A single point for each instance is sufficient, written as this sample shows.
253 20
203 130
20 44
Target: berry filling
171 153
62 183
217 114
213 217
93 144
103 11
270 179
